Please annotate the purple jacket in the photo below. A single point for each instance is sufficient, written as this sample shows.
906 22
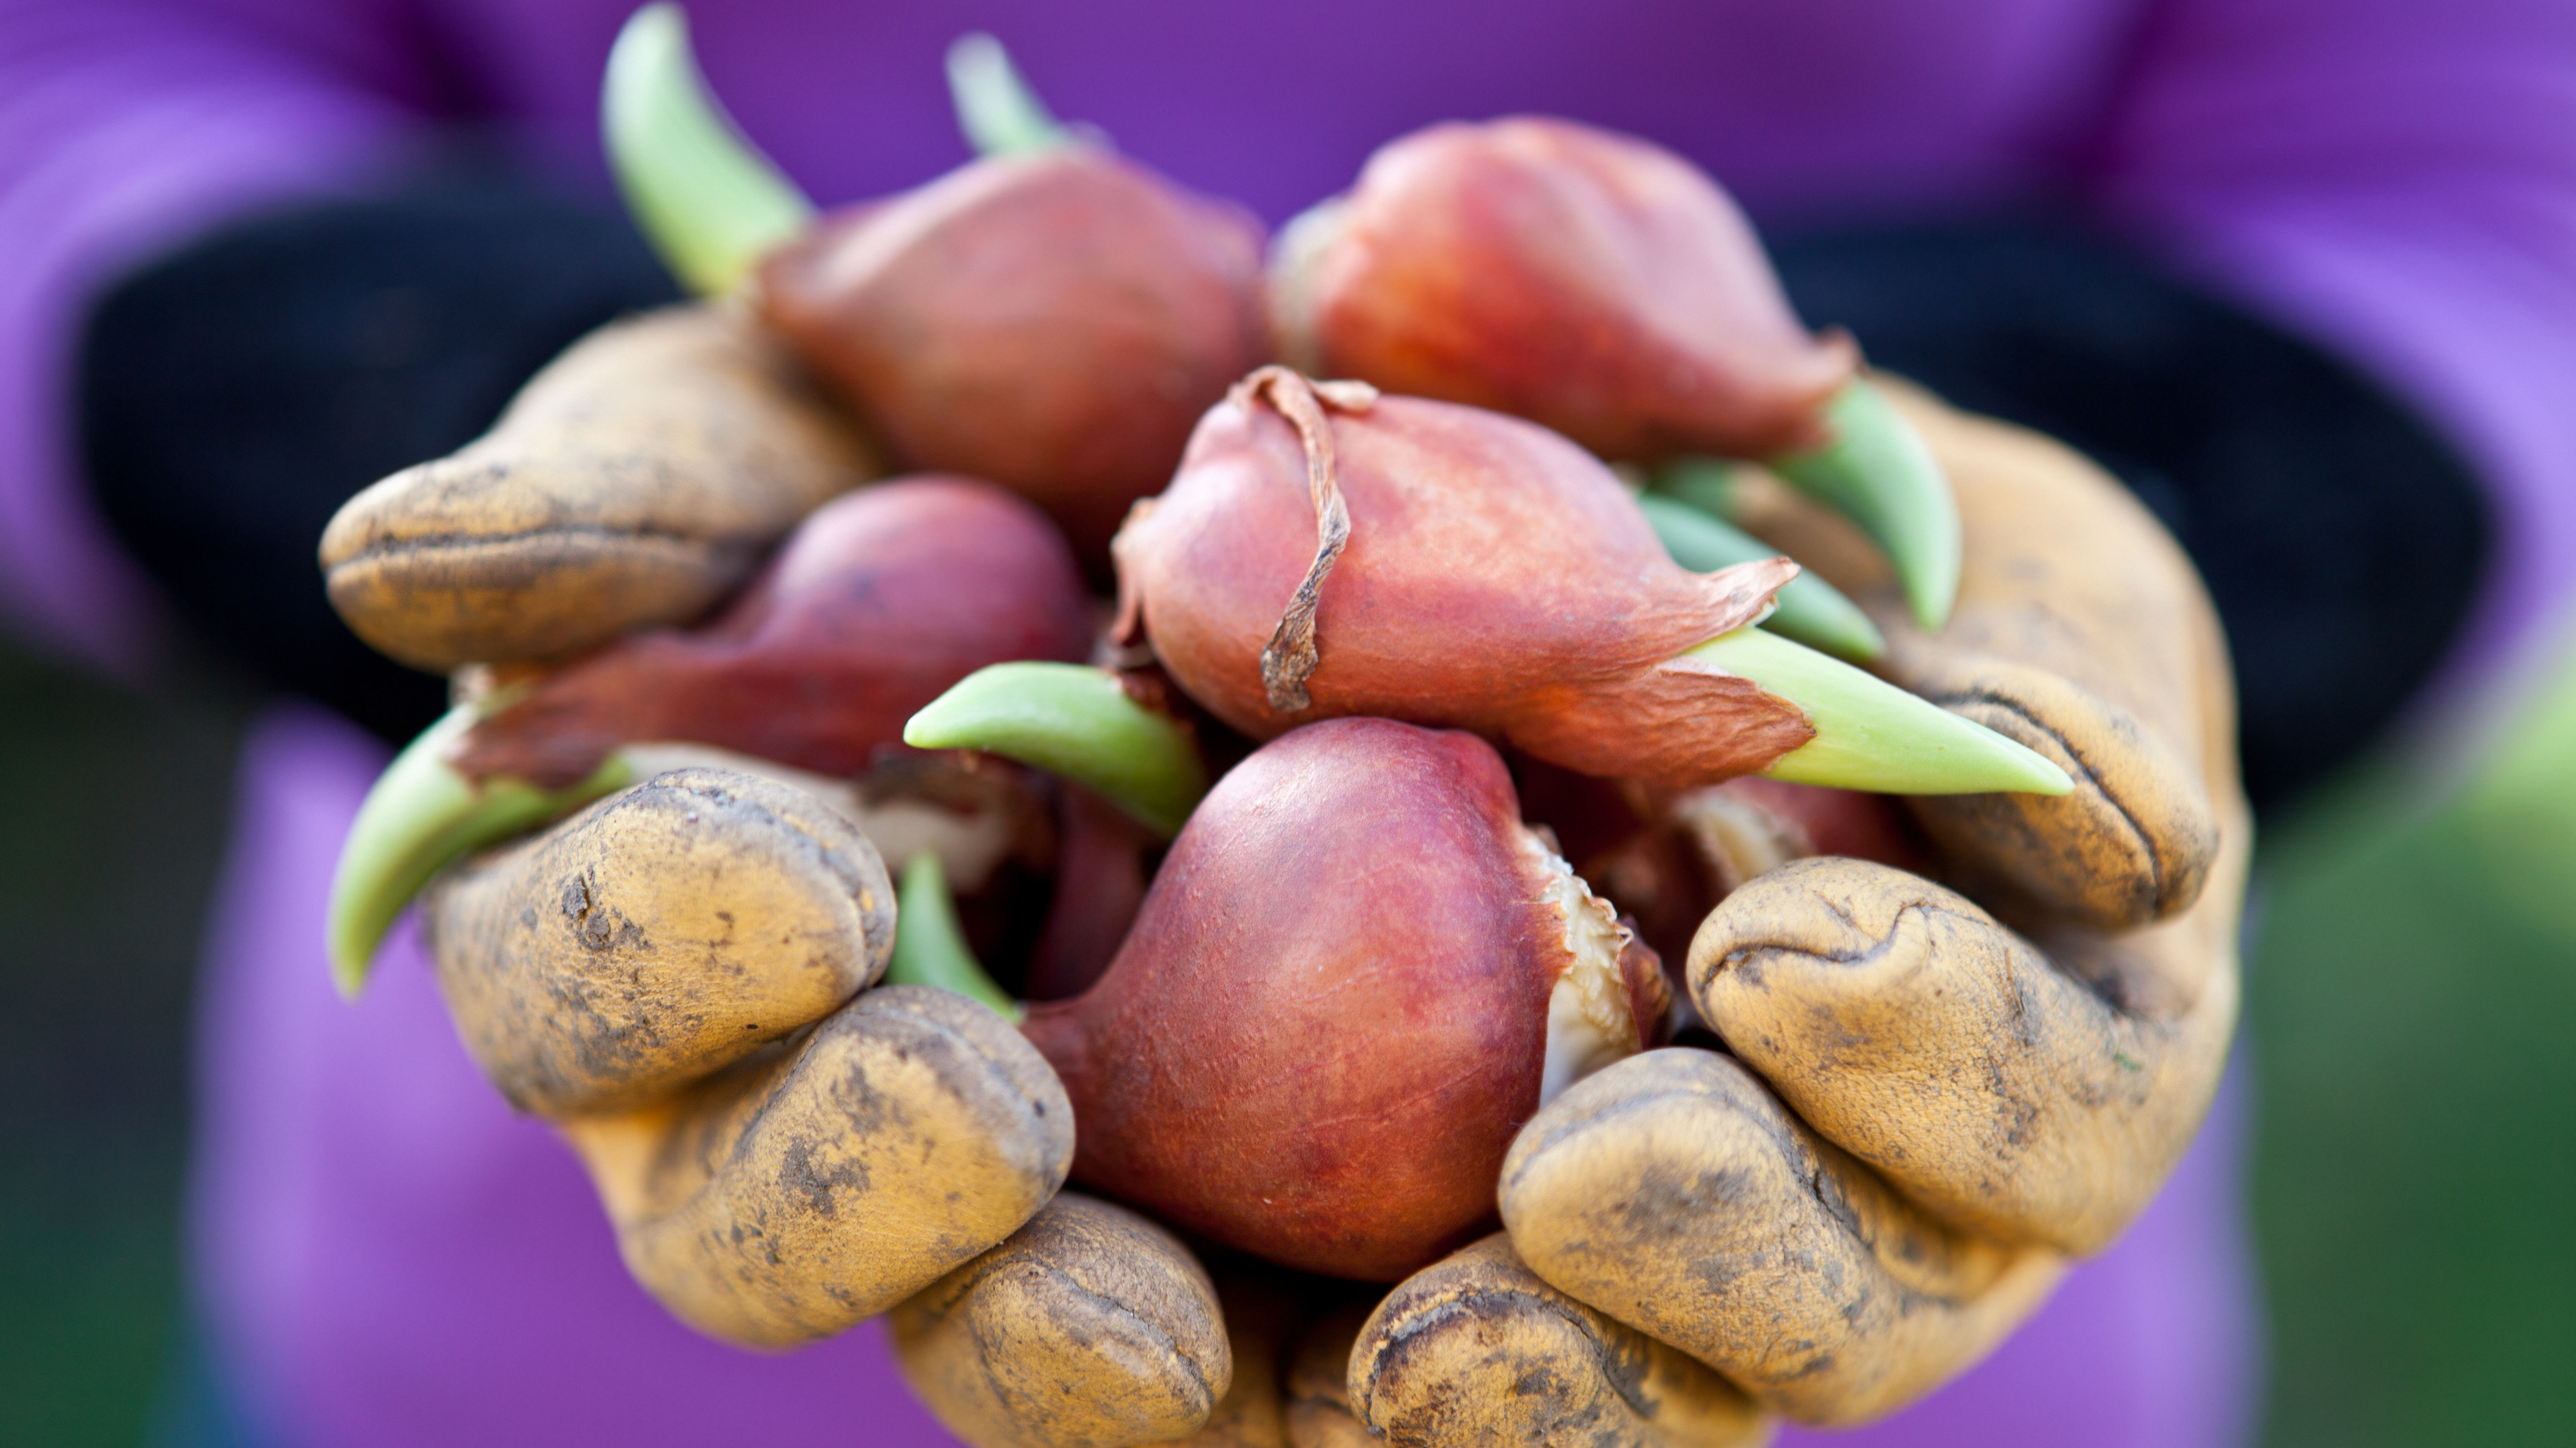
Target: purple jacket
388 1257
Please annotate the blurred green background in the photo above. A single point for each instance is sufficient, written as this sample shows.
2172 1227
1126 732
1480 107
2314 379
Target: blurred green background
2411 999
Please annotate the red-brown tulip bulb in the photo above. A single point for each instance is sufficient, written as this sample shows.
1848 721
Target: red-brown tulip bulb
1590 281
1354 978
880 601
1477 571
1053 321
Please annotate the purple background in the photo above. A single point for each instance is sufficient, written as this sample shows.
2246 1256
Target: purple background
388 1257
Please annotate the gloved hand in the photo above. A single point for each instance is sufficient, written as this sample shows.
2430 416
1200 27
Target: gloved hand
1935 1091
786 1147
1930 1104
785 1151
685 977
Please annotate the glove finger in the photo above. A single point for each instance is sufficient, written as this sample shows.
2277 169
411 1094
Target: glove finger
637 480
1475 1349
1674 1193
1091 1326
2011 1097
2131 843
796 1194
2073 575
1319 1413
1264 1306
2081 631
660 935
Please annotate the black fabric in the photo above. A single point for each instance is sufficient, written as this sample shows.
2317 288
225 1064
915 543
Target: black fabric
232 395
2341 538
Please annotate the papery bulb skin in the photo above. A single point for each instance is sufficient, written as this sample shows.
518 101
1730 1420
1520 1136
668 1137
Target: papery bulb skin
1497 578
1053 321
1332 1013
878 603
1593 282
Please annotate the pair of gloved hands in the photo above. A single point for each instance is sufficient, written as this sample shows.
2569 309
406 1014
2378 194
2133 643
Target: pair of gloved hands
1933 1095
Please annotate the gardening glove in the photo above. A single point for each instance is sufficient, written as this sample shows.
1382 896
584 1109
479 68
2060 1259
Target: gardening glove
231 393
1936 1090
637 480
1711 1259
1476 1348
683 979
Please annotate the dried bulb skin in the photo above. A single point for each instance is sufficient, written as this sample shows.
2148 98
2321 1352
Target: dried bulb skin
877 605
1667 858
1589 281
634 482
1090 1328
1561 640
1738 830
1053 321
1332 1013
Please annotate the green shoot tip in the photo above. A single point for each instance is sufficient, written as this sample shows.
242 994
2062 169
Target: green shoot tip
1872 735
1078 722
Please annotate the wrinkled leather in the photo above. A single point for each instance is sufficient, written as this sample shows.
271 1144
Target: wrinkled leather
1938 1088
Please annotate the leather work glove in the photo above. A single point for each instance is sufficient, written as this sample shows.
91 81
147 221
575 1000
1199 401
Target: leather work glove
786 1151
1936 1091
684 978
786 1147
1939 1087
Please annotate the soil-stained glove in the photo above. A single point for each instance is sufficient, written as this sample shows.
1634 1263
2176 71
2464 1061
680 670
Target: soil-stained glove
1935 1092
637 480
1476 1349
684 980
686 977
679 979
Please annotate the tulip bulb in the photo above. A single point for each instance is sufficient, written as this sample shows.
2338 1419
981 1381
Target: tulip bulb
1354 977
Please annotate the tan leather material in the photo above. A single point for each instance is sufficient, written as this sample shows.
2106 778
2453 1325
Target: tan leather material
1319 1412
666 932
671 976
2037 1085
2067 571
2082 631
1090 1328
1264 1308
635 481
2131 843
1477 1349
1936 1091
807 1189
1675 1193
2012 1098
